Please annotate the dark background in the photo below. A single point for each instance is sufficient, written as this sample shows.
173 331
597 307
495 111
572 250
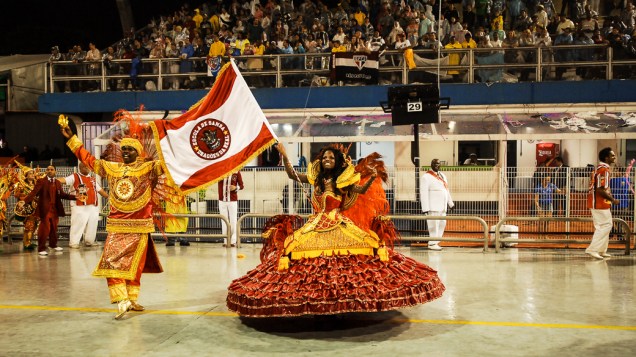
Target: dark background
33 27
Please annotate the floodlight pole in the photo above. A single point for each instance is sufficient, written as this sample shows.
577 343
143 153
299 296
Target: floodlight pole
415 158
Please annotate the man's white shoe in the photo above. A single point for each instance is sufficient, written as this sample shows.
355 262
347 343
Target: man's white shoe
43 253
594 255
74 246
434 247
58 249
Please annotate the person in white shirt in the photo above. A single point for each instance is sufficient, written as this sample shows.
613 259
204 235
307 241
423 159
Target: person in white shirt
85 209
436 200
228 204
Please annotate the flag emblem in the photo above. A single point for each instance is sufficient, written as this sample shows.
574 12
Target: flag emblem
210 139
360 60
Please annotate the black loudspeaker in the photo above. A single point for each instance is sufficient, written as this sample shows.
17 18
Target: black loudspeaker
414 104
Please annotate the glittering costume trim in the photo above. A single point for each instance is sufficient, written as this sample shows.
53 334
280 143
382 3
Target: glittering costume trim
334 285
329 233
129 225
133 292
118 292
74 143
347 178
130 206
111 254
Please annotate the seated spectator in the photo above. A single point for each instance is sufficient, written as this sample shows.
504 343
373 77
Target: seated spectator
583 54
562 55
564 23
522 22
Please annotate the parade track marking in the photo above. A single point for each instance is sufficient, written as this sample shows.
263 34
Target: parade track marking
394 320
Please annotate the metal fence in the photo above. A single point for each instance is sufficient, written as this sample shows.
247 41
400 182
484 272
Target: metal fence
489 193
573 62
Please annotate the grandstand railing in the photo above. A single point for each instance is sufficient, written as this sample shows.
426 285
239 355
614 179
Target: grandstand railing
574 62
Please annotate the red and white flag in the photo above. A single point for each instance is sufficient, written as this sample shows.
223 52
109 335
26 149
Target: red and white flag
216 137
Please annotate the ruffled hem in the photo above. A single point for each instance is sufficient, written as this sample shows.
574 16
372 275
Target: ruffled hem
333 285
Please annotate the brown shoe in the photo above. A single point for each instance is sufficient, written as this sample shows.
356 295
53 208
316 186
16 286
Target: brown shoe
136 307
122 308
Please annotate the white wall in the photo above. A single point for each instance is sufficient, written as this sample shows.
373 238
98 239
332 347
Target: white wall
579 153
442 150
386 149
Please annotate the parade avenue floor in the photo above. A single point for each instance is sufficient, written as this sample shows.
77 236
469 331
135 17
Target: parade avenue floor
520 302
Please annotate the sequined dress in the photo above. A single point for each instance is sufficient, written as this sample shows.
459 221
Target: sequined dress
330 266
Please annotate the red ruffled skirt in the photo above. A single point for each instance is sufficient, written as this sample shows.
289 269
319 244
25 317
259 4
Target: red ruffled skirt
333 285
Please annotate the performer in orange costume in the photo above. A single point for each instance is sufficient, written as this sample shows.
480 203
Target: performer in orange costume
128 250
342 259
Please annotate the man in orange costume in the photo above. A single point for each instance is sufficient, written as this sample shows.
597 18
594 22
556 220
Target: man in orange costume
128 251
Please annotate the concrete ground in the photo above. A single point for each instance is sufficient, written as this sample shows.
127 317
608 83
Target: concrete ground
526 302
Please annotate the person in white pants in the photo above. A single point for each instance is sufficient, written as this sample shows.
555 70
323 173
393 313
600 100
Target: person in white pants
85 209
228 203
436 200
599 201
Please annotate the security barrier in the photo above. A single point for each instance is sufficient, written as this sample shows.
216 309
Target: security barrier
627 233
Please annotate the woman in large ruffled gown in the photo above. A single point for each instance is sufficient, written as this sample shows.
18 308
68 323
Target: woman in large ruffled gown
342 259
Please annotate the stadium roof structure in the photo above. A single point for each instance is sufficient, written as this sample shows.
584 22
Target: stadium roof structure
7 63
616 121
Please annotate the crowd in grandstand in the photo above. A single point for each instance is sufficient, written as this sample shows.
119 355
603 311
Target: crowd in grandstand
268 27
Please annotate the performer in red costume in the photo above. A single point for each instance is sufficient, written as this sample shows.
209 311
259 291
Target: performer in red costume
342 259
129 250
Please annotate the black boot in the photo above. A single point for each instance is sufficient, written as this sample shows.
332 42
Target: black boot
184 242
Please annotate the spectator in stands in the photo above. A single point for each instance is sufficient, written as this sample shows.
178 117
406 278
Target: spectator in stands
136 70
112 68
453 58
482 12
522 22
185 64
456 29
157 52
469 17
542 17
543 41
197 18
339 36
58 69
548 6
93 57
77 56
583 54
628 17
358 45
468 41
432 43
562 55
564 23
599 201
367 29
